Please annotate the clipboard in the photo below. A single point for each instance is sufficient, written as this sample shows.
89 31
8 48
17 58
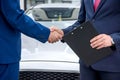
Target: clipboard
79 41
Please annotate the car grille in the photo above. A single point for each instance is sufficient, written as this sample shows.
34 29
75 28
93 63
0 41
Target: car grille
34 75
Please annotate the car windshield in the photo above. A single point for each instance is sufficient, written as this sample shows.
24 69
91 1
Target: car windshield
58 12
50 14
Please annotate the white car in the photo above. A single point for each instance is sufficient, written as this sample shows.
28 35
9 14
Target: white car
50 61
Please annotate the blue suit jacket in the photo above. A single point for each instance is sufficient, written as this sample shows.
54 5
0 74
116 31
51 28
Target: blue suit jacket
106 20
13 21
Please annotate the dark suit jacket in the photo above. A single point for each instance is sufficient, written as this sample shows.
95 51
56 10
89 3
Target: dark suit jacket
13 21
106 20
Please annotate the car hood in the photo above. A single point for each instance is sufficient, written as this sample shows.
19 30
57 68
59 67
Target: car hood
58 52
48 57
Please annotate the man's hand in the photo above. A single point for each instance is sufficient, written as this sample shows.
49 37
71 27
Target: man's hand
55 35
56 29
101 41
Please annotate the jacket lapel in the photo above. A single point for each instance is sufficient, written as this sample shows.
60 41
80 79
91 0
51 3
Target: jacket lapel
99 7
91 6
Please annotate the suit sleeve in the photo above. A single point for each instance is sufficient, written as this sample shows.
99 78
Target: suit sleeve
16 18
116 39
81 18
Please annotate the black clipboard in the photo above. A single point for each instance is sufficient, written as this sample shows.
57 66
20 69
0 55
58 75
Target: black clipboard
79 41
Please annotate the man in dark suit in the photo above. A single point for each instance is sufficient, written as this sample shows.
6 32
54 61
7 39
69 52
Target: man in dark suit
13 21
105 16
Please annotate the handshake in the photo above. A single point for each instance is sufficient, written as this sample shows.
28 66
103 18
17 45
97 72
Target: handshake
55 35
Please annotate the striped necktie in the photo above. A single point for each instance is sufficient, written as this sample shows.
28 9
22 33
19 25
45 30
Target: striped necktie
96 4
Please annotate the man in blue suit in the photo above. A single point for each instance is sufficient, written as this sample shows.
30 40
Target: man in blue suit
106 19
13 21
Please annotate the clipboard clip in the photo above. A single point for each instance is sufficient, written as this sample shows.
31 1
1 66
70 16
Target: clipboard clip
80 27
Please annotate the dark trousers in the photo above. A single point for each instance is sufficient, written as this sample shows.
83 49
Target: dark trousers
9 71
88 73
